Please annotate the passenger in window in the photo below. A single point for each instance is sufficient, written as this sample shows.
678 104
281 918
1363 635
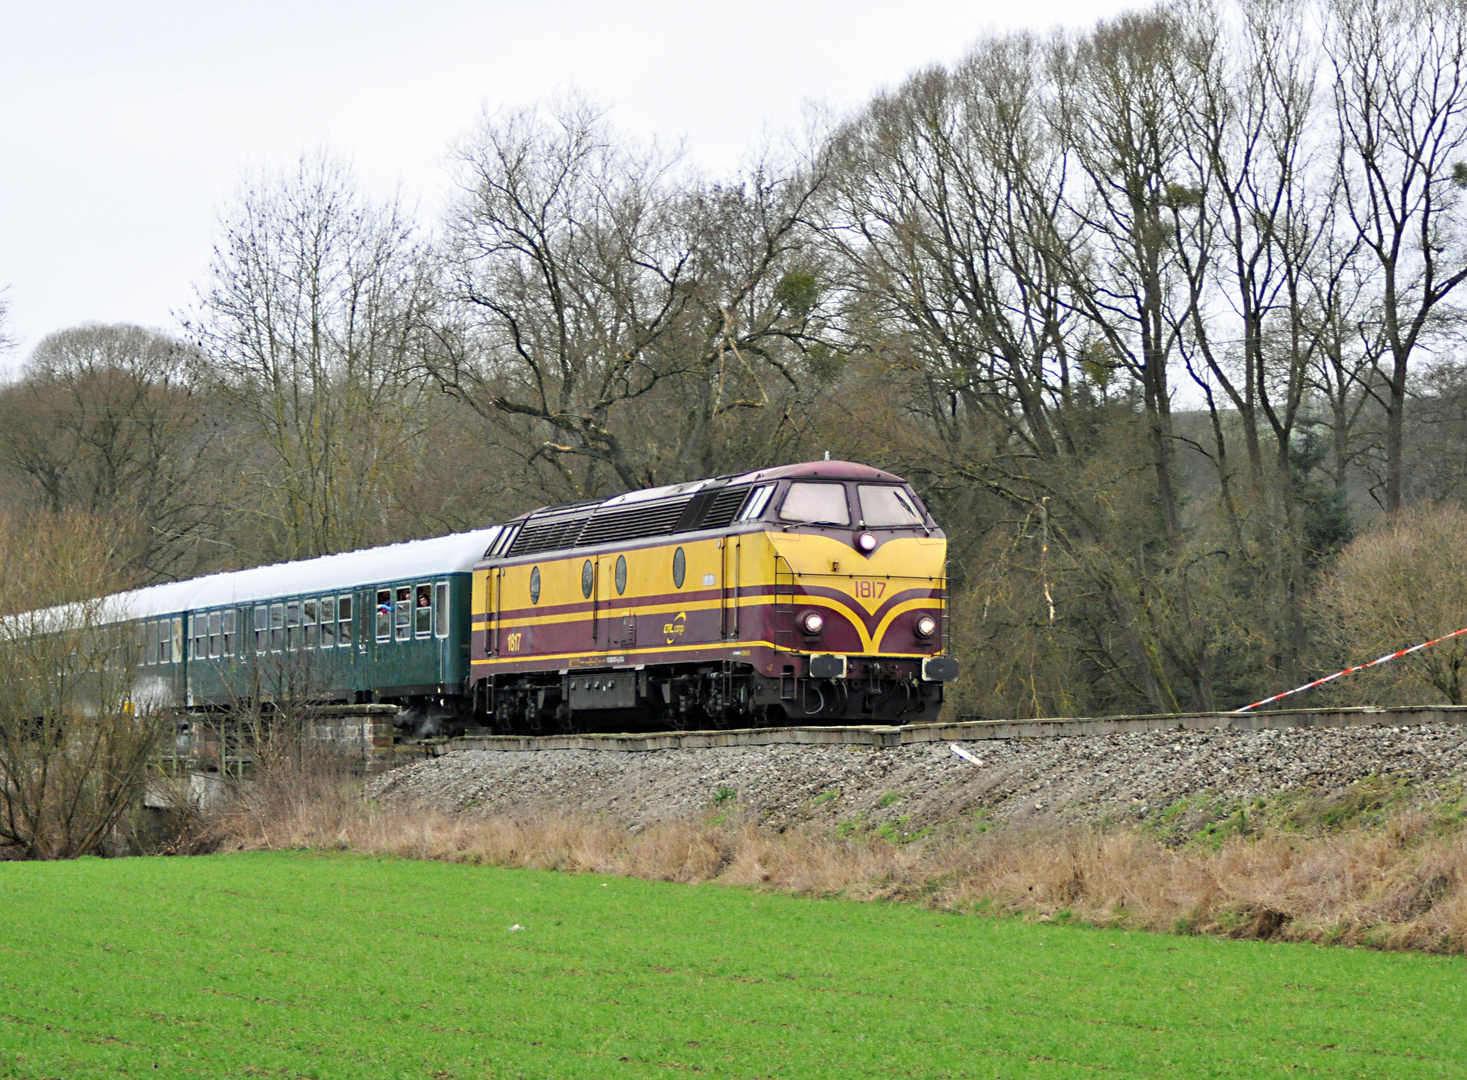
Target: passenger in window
384 615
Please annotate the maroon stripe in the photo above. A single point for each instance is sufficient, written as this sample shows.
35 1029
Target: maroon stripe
623 603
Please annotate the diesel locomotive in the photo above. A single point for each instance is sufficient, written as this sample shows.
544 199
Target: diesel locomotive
808 593
812 593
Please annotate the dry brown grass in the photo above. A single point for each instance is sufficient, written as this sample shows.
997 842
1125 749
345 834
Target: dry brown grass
1398 887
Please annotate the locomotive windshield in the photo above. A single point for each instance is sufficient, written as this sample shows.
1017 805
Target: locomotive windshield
816 504
884 506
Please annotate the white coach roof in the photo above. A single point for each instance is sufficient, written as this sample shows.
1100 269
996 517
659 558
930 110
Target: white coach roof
396 562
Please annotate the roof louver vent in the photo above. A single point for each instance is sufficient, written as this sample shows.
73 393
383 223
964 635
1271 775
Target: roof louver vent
724 508
633 522
547 534
615 525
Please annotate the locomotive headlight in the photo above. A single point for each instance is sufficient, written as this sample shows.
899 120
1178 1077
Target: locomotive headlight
925 626
812 622
866 542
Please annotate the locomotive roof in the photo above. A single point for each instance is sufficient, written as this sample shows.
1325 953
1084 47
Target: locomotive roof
696 506
829 470
455 553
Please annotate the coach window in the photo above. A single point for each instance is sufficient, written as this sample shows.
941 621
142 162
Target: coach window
423 611
277 627
328 622
229 632
535 585
216 633
384 614
150 643
343 625
293 625
679 568
165 642
440 609
621 574
308 622
198 645
262 629
816 504
588 578
404 615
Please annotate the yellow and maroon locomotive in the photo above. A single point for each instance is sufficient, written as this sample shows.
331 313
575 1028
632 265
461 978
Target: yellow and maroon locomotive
812 593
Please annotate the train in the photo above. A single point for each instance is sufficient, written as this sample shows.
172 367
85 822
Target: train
809 593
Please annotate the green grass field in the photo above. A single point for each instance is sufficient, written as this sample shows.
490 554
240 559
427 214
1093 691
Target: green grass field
343 966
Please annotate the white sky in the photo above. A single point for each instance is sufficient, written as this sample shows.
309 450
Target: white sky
125 126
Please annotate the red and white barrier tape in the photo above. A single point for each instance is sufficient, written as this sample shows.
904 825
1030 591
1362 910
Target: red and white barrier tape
1351 670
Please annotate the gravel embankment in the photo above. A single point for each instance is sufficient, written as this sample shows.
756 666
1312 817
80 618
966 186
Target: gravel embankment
1123 777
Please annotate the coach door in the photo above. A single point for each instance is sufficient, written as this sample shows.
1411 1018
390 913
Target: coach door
730 547
601 591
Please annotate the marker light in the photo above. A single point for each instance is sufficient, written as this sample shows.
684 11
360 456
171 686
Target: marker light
925 626
812 622
866 542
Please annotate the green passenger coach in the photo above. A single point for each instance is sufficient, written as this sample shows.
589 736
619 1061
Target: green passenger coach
388 624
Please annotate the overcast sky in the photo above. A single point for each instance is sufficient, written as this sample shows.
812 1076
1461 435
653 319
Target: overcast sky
125 126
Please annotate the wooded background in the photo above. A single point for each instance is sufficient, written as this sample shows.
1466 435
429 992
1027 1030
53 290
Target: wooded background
1162 318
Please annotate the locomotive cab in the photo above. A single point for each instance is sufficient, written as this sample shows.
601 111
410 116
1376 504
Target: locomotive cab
811 592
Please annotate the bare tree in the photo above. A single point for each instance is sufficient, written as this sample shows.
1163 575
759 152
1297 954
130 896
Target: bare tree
599 289
562 249
7 340
1400 108
1403 583
312 319
104 421
75 746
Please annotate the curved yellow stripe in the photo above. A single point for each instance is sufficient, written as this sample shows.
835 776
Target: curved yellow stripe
905 605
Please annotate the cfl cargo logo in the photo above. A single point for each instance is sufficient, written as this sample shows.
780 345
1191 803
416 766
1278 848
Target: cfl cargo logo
674 629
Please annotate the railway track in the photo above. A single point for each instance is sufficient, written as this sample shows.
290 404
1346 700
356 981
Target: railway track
879 735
